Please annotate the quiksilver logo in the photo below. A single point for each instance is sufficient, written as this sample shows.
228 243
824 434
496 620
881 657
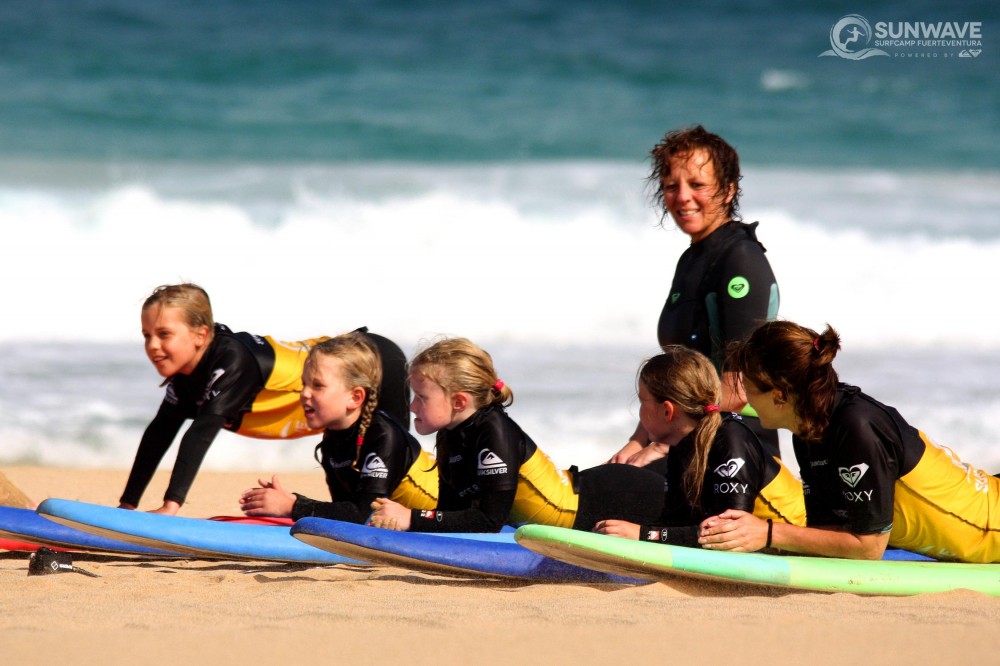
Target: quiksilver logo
373 466
490 464
209 393
852 475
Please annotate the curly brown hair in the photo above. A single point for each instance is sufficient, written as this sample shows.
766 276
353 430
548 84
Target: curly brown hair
683 142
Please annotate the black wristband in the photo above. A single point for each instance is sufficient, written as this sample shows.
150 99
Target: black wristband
770 526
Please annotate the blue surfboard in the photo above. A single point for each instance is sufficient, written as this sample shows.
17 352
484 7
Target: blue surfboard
491 555
194 537
24 525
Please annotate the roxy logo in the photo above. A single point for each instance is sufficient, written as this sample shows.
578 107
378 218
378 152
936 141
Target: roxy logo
730 468
850 37
738 287
490 464
374 467
852 475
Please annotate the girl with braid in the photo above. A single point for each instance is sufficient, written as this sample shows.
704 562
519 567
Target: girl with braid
716 462
490 471
364 452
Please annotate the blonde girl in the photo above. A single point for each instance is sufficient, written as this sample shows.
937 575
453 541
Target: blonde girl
364 452
490 471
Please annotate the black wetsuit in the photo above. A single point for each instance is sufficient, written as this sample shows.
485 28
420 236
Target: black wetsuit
490 473
723 289
220 392
740 475
356 478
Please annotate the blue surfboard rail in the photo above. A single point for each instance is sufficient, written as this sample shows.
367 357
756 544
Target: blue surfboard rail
493 555
30 527
192 537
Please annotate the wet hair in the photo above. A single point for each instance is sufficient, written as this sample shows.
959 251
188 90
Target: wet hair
797 361
456 364
189 298
683 143
687 379
361 366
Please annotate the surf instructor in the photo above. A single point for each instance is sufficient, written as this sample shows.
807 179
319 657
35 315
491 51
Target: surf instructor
723 286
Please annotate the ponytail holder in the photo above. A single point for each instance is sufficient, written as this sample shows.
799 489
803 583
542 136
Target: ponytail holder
816 344
711 408
361 440
498 386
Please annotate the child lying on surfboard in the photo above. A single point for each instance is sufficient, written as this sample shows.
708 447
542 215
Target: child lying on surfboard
715 460
364 452
490 471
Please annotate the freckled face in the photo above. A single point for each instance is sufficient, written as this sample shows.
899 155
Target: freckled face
172 346
431 406
691 195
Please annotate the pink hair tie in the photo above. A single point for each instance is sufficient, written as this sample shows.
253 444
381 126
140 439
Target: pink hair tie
816 344
711 408
498 386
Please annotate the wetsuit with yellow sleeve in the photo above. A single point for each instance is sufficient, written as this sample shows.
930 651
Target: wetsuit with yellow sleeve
871 472
389 463
248 384
491 473
740 474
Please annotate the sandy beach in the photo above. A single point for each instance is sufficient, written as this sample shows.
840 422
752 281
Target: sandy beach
175 611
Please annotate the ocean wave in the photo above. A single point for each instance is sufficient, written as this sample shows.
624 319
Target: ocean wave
561 252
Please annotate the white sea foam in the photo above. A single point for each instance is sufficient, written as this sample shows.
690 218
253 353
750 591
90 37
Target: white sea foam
563 252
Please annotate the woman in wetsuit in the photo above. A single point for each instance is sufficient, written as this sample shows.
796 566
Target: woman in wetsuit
364 452
219 379
723 286
874 480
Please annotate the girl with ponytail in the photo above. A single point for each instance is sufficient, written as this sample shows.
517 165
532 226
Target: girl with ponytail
364 452
716 461
874 480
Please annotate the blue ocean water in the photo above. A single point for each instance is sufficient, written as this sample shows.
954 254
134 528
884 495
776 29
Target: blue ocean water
446 167
446 80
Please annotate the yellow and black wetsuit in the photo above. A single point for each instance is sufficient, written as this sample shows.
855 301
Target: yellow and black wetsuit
390 463
248 384
739 475
872 472
492 473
